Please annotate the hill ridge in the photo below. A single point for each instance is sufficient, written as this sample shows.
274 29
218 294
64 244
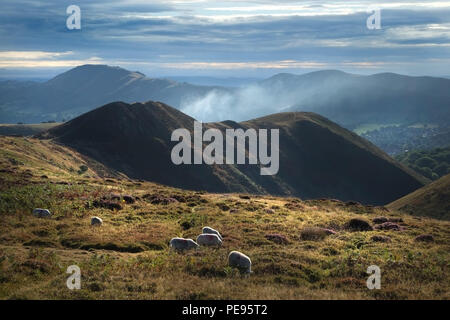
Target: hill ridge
135 139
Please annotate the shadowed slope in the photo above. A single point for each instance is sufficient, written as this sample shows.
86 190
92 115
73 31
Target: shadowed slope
433 200
317 157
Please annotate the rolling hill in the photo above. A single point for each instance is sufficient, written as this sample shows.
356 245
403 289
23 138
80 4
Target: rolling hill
348 99
432 200
84 88
352 100
317 157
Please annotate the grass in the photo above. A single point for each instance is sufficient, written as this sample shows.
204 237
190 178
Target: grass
128 256
431 200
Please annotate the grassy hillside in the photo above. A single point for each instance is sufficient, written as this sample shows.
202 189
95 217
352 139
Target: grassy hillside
433 200
128 256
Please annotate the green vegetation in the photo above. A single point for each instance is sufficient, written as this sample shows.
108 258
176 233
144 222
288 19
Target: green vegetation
83 169
128 256
432 164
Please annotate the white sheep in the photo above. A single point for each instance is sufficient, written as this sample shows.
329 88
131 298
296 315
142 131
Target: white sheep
41 213
211 231
183 244
239 260
206 239
96 221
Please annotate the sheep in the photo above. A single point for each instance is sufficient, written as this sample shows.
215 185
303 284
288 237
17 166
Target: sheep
206 239
96 221
239 260
41 213
212 231
183 244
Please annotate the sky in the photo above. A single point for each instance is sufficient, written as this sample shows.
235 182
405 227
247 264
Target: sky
256 38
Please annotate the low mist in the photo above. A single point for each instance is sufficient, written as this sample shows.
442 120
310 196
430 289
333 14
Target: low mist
238 105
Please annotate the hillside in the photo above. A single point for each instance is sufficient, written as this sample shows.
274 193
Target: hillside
128 256
317 157
433 200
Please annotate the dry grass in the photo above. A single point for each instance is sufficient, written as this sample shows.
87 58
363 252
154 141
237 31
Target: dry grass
128 257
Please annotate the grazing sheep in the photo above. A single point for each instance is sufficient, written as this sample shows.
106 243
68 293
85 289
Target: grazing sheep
96 221
183 244
211 231
239 260
41 213
206 239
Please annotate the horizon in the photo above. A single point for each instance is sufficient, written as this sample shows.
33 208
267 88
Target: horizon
226 38
184 78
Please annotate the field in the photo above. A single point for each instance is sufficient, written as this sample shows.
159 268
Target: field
128 257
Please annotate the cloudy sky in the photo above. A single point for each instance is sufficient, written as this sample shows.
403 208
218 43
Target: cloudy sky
226 38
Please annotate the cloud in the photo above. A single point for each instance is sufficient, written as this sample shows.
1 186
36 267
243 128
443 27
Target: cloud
228 35
31 55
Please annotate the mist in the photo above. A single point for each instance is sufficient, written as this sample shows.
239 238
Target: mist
238 105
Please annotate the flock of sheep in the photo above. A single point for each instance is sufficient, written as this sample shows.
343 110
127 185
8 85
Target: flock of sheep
212 237
209 237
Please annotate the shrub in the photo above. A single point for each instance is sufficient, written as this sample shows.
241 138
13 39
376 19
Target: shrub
83 169
313 233
357 224
425 162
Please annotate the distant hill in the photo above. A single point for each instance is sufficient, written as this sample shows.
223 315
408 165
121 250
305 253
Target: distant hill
348 99
433 200
351 99
215 81
318 158
25 129
82 89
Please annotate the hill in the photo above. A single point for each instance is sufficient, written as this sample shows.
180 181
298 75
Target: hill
352 100
317 157
82 89
433 200
128 257
348 99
